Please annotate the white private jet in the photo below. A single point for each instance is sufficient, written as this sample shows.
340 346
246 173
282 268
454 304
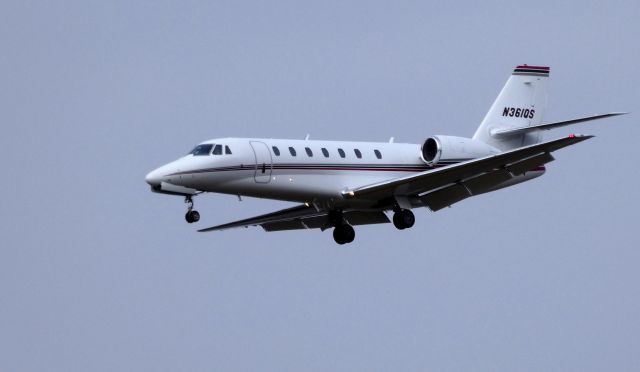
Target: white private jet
343 184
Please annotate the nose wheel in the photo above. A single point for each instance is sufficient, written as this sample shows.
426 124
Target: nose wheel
192 215
403 219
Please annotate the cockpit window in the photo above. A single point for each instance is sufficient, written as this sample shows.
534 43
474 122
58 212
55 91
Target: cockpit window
201 150
217 150
227 150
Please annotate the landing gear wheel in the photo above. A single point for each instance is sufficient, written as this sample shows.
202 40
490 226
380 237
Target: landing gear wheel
408 218
344 234
192 216
403 219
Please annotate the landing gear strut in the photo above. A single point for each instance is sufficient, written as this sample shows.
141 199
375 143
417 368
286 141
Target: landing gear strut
192 215
403 219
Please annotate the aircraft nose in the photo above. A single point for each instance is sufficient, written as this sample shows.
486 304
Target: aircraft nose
153 178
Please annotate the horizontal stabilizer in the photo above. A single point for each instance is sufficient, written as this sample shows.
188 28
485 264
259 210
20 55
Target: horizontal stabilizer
502 133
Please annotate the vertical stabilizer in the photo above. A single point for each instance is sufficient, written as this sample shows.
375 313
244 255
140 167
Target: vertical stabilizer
521 103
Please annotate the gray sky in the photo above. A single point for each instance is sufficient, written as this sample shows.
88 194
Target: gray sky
97 273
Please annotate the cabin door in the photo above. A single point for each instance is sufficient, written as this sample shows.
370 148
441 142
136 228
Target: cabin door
264 165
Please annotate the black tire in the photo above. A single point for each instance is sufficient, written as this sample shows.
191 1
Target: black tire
338 236
349 233
192 216
408 218
398 221
404 219
344 234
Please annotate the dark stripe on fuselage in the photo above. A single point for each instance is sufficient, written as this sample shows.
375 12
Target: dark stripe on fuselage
336 167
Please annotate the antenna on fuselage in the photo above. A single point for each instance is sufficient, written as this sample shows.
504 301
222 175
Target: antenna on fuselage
391 139
307 137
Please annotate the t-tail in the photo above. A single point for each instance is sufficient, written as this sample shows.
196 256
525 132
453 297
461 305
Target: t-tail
520 104
515 118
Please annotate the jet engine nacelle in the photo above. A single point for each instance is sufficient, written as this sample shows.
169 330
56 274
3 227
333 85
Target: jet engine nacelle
451 149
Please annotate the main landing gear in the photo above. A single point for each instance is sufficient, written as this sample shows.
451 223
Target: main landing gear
192 215
343 233
403 219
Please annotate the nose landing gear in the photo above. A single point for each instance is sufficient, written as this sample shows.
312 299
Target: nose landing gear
192 215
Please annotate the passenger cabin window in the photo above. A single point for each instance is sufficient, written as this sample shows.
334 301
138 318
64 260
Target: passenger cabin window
341 152
217 150
292 151
309 152
378 154
358 153
227 150
276 150
325 152
201 150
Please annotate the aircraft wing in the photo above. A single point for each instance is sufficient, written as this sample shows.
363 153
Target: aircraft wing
302 217
444 186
